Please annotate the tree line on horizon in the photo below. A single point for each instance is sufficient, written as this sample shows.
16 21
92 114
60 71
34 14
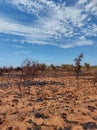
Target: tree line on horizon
30 67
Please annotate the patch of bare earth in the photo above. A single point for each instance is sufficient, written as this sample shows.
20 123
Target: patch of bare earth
59 103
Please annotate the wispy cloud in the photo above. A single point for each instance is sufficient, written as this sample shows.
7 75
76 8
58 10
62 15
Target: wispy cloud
81 2
80 42
17 46
55 23
21 52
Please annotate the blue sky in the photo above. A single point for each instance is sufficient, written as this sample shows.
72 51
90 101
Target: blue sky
48 31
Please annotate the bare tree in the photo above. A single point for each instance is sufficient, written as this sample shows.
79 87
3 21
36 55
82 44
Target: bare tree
78 64
52 67
30 68
42 67
27 67
87 67
1 73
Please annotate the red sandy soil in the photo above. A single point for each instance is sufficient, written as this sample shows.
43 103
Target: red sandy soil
61 104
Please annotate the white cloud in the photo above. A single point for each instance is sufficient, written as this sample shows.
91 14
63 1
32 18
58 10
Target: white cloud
21 52
81 1
17 46
83 42
82 38
11 27
92 7
80 42
59 23
91 4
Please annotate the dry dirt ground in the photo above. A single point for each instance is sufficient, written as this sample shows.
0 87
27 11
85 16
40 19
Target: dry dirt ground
59 103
